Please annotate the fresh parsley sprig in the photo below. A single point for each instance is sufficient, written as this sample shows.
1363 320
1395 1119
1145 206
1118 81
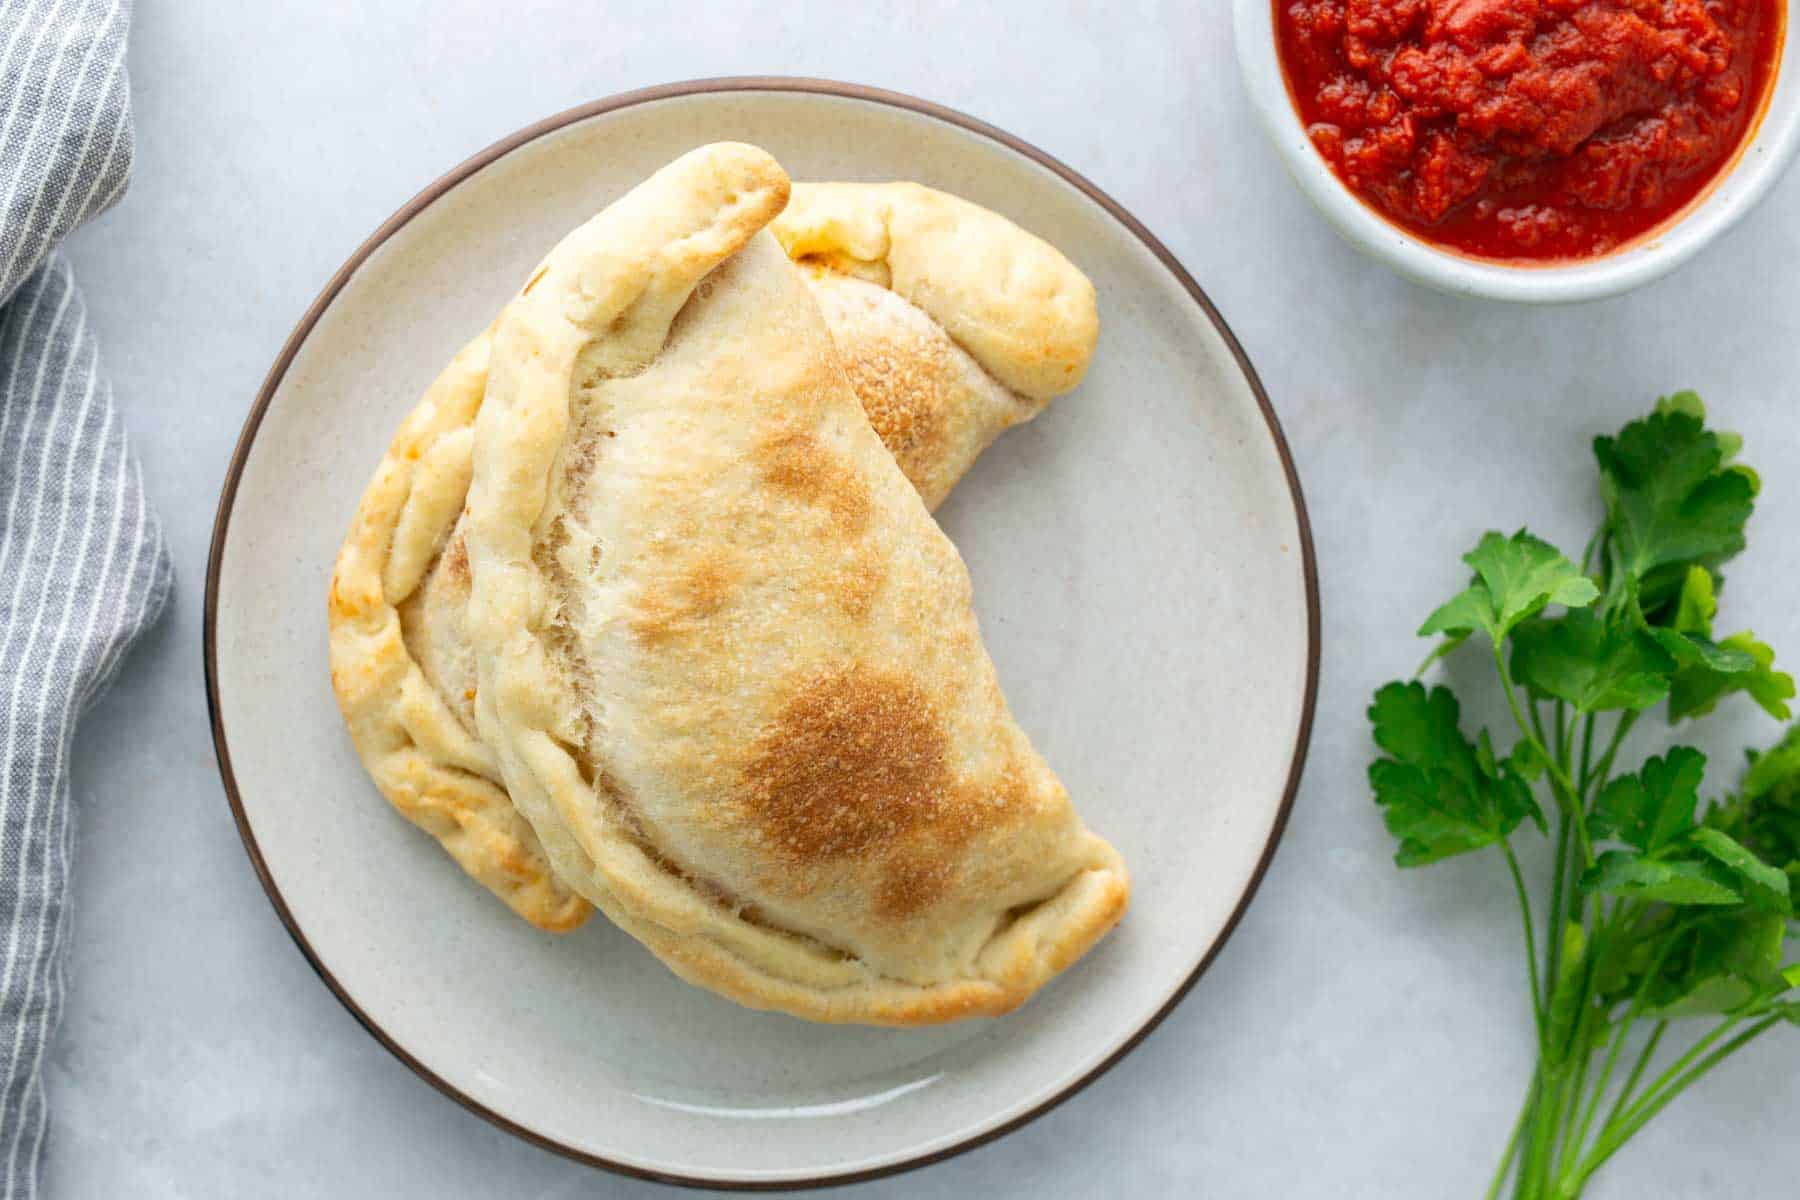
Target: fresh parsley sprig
1659 907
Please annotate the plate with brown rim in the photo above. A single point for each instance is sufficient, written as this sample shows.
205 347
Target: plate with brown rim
1145 581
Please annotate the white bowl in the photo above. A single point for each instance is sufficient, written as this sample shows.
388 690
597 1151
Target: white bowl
1758 167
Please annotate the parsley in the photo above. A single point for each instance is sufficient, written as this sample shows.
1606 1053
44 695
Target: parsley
1710 672
1661 908
1671 499
1593 663
1442 794
1514 578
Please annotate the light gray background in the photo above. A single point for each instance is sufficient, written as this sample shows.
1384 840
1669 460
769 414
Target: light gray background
1362 1035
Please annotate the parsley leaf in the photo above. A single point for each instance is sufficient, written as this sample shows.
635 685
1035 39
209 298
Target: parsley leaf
1764 886
1440 794
1715 962
1595 663
1671 499
1653 809
1673 861
1628 873
1514 579
1697 689
1689 640
1698 603
1770 804
1774 774
1706 673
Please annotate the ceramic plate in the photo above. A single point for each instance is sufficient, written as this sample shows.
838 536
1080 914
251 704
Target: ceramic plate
1144 579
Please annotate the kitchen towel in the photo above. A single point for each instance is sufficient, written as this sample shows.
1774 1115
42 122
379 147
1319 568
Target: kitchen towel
82 564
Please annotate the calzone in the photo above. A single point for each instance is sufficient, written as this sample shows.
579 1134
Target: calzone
402 668
726 660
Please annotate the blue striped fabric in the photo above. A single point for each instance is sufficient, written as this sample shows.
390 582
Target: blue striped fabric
82 564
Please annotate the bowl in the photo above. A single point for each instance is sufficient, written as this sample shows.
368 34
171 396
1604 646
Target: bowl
1759 164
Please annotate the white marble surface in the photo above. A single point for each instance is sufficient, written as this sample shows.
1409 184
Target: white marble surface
1361 1034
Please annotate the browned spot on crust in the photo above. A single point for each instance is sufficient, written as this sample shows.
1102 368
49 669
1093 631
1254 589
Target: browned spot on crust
901 383
911 885
515 862
857 767
339 605
456 560
796 465
700 592
860 582
855 762
917 877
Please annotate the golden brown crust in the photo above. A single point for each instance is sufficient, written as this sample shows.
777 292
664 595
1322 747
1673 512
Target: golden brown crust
933 406
812 798
1042 944
1014 302
421 753
794 464
902 375
856 759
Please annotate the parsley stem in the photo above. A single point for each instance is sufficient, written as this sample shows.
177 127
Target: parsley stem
1575 901
1604 769
1559 775
1512 1143
1587 752
1587 554
1571 1115
1587 860
1645 1057
1554 922
1568 1089
1606 1071
1694 1051
1644 1112
1667 1077
1618 1044
1537 719
1534 1168
1537 1001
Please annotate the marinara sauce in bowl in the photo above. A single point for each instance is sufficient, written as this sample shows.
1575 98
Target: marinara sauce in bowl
1536 150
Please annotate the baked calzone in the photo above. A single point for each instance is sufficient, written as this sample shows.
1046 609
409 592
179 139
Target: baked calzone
727 661
402 667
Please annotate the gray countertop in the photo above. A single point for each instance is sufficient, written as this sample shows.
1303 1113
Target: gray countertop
1362 1034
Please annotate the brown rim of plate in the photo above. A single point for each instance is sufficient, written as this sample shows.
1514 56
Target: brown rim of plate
749 83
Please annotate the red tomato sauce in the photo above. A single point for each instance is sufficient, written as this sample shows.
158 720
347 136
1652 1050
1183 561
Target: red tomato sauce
1529 129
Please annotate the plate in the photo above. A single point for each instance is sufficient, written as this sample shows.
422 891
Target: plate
1144 578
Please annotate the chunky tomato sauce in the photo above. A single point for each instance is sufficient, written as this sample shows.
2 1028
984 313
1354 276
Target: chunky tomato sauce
1529 129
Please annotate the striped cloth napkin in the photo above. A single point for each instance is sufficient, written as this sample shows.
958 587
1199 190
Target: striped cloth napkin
82 564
